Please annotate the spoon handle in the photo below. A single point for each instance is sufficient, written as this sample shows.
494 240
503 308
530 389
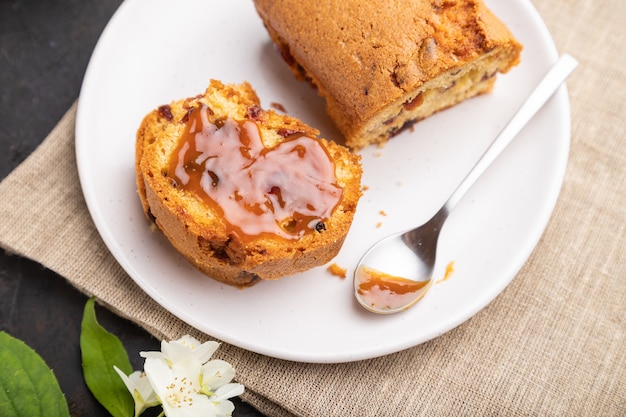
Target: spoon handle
542 92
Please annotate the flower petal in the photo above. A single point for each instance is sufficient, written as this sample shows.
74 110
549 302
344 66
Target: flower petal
206 350
139 387
224 409
186 346
151 354
228 391
125 378
216 373
143 387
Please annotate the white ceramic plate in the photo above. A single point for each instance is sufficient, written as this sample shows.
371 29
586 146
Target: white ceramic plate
154 51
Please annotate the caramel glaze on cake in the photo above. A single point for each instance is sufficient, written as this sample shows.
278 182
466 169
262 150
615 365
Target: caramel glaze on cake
382 65
244 193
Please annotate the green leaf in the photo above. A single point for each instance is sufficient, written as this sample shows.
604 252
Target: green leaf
27 386
101 350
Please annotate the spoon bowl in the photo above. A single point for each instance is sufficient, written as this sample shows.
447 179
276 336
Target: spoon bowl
397 271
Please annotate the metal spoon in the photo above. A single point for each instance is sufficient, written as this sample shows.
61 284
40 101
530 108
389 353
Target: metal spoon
396 272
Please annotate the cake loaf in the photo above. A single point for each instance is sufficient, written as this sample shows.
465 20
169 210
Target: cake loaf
245 194
383 65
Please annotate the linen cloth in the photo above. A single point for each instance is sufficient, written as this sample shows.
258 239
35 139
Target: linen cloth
553 343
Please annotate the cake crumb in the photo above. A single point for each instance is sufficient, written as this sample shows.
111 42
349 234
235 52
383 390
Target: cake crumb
382 213
379 225
337 271
365 188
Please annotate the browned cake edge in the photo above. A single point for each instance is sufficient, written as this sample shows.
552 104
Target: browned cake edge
200 235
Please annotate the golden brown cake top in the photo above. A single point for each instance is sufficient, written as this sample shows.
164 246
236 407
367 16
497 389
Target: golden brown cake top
365 54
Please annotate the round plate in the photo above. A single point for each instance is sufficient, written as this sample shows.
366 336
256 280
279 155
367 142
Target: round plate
155 51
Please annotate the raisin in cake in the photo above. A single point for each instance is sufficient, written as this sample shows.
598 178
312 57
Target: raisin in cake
383 65
244 193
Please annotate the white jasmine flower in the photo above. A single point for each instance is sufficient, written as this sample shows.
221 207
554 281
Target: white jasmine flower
139 386
186 383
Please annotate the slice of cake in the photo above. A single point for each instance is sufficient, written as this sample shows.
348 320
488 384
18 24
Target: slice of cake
383 65
244 193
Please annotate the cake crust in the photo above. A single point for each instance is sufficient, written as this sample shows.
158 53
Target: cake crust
382 64
200 232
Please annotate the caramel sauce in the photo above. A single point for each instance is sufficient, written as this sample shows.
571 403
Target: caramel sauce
388 292
286 190
448 273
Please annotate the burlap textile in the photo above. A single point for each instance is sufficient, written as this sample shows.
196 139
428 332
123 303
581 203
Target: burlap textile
551 344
